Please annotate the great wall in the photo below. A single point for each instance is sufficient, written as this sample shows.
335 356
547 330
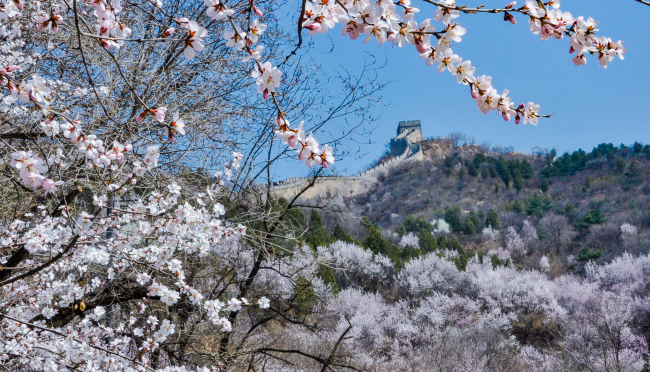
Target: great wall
404 147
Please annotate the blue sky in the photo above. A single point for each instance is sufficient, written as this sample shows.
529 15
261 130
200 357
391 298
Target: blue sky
590 105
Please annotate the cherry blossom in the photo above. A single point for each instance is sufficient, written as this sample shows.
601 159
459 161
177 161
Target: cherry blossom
194 40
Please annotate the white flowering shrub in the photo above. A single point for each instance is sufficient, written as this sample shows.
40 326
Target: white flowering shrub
544 265
490 234
514 242
440 227
409 239
502 254
529 232
629 232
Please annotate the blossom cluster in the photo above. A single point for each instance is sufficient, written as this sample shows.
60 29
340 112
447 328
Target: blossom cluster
138 246
393 22
307 146
32 167
268 79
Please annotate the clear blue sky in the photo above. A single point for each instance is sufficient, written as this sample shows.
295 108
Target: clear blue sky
590 105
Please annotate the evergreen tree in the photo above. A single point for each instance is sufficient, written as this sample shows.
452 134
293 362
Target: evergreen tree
476 220
471 170
527 170
452 217
544 185
492 220
316 235
493 172
518 182
468 227
593 217
340 234
634 174
294 215
503 172
428 242
377 244
480 217
413 224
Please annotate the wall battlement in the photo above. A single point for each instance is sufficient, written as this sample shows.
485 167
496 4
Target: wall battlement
404 147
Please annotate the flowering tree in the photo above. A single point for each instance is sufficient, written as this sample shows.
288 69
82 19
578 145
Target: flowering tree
119 250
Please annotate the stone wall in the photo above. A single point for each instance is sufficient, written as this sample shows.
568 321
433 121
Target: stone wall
330 186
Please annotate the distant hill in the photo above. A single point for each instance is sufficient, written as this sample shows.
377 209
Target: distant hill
581 206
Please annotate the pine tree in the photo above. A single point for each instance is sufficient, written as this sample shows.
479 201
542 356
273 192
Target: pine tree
452 216
544 185
340 234
492 220
316 235
471 170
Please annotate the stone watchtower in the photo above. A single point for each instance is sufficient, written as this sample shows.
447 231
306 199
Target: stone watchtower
408 132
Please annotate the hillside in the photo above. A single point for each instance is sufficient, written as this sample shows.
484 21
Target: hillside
574 207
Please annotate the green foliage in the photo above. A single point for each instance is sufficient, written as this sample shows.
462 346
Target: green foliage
327 274
413 224
503 172
304 296
477 219
479 159
428 242
567 165
534 206
452 244
316 234
409 252
493 172
518 206
294 215
620 165
592 217
340 234
633 174
468 227
377 244
518 182
452 217
472 170
569 208
587 255
604 149
527 169
545 185
492 220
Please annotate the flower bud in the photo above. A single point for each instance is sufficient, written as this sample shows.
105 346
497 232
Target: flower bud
474 94
422 47
168 32
257 11
517 119
11 68
506 116
509 18
512 4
